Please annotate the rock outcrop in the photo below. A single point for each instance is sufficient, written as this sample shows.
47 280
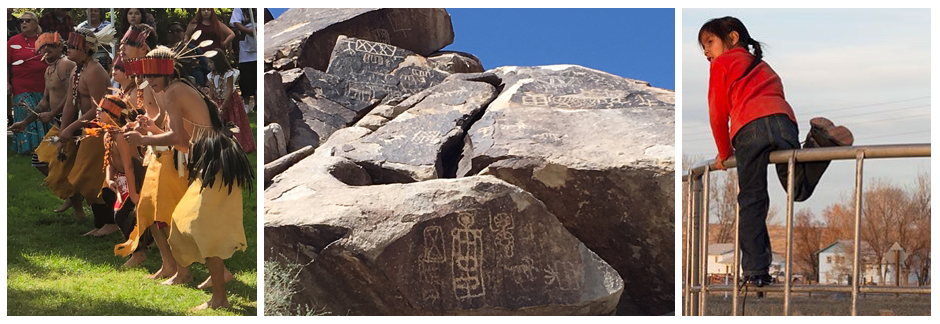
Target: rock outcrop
598 149
438 189
305 37
469 246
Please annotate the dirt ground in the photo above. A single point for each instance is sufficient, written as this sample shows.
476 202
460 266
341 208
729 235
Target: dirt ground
822 304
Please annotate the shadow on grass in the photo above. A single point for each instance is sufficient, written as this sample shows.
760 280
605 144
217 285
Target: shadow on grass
31 304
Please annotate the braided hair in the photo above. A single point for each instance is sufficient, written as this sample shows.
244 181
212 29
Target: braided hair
722 27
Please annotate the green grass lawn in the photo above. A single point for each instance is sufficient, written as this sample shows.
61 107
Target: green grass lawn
52 270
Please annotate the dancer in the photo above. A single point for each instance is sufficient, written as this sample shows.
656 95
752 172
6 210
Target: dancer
166 179
744 89
207 224
49 45
88 82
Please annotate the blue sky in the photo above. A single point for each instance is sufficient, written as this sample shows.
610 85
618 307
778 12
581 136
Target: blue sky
632 43
868 69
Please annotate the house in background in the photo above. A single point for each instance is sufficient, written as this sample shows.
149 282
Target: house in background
721 263
835 265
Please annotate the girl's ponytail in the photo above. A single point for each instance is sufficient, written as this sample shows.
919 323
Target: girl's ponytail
758 55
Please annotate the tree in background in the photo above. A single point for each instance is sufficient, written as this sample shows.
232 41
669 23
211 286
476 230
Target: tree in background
161 16
807 241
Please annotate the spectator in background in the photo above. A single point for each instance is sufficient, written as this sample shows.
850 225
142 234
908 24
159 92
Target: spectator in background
208 22
13 24
135 16
57 21
243 20
200 67
26 82
222 91
96 22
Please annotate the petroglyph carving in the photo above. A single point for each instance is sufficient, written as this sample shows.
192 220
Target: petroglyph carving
425 137
468 258
434 245
359 92
501 224
522 272
381 35
375 48
373 59
396 18
565 274
530 99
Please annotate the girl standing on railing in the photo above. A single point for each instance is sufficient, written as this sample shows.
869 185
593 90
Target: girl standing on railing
745 90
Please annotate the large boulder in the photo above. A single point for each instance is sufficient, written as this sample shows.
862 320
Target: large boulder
422 141
275 145
456 62
468 246
277 105
598 150
361 75
305 37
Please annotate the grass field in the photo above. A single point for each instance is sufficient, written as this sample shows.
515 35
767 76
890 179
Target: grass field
824 304
52 270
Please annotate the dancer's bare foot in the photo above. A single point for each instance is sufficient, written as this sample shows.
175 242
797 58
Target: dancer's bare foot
65 206
107 229
93 231
178 279
136 259
79 213
214 304
164 272
208 282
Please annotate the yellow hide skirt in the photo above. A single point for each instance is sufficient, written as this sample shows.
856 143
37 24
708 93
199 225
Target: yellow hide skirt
58 178
207 223
87 174
162 190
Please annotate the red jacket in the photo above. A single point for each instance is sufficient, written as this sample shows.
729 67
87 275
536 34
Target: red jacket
756 95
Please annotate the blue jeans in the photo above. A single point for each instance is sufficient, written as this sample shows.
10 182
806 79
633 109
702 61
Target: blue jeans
752 146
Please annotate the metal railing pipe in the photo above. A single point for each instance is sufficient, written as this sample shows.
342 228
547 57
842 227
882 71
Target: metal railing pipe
703 242
791 166
859 161
737 255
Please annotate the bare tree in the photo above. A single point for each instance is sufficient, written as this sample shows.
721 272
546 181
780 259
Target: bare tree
807 240
917 241
886 218
725 206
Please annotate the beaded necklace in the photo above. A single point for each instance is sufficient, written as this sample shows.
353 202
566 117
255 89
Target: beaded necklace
54 65
78 76
140 95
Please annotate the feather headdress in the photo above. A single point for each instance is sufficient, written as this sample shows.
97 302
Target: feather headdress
46 39
136 36
86 40
162 60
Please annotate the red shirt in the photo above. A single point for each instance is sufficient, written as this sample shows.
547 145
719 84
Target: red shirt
50 23
756 95
27 77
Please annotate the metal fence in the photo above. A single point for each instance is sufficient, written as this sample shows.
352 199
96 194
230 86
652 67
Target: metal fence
695 246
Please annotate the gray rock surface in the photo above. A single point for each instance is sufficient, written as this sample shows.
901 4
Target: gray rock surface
416 144
305 37
361 75
469 246
598 149
277 106
456 62
275 145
